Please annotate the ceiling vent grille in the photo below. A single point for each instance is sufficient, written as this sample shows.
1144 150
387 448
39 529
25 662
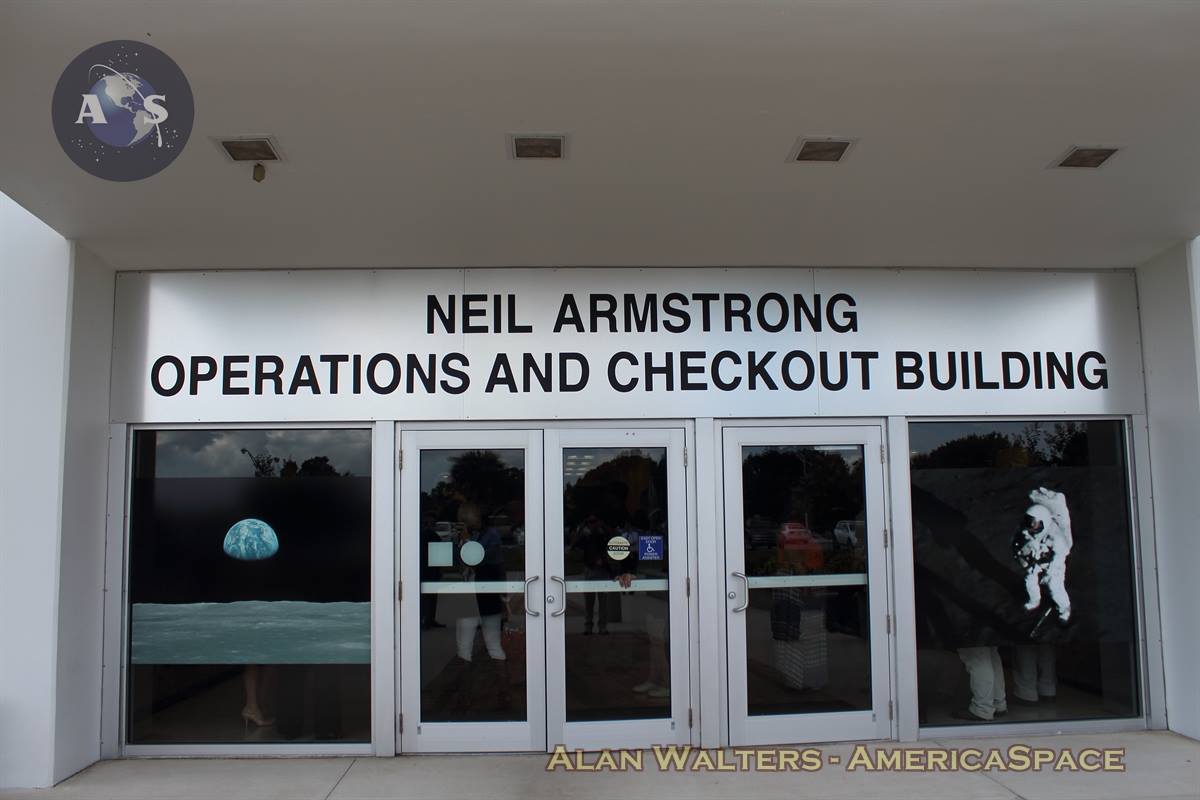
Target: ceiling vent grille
250 148
827 150
1086 157
529 146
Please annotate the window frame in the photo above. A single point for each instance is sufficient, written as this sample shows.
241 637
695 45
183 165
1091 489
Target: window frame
115 685
1147 630
701 433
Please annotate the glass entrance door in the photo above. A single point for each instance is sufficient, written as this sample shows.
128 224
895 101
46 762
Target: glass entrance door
805 584
472 656
516 635
616 563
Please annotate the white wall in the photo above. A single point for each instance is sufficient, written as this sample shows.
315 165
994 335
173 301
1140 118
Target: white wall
35 299
1167 293
84 507
56 310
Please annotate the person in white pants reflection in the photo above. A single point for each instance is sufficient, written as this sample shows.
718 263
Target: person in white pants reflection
1035 677
464 634
986 673
491 606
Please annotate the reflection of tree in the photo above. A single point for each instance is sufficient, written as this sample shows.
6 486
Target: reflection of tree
264 463
802 484
629 489
479 477
315 467
482 477
1036 444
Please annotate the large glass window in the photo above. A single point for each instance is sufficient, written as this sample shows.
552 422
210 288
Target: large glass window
249 586
1024 576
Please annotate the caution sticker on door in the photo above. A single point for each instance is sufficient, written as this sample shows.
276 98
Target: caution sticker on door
650 548
618 548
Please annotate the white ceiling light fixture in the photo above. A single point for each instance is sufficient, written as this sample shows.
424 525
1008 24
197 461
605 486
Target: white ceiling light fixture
1086 157
537 146
820 150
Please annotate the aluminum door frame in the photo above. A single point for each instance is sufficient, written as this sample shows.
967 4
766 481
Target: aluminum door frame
472 737
874 723
592 735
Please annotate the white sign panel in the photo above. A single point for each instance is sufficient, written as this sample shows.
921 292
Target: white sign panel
622 343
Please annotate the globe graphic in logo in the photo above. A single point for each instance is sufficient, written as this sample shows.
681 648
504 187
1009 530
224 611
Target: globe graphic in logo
122 110
251 540
122 97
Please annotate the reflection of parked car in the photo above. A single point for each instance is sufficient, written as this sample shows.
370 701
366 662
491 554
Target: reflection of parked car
799 546
849 532
760 532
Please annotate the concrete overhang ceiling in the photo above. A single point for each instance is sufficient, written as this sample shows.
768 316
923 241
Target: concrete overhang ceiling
679 116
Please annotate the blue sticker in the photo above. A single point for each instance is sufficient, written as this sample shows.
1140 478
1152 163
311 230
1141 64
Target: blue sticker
650 548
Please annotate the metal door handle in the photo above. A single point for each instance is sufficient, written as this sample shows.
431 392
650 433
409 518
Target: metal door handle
562 609
746 582
528 610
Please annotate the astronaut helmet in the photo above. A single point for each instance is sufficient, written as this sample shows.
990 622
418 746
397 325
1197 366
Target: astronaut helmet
1037 519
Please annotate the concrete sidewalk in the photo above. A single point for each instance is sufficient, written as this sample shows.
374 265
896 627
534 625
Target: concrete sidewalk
1158 765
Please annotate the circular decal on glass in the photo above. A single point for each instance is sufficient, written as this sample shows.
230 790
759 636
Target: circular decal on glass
122 110
471 553
251 540
618 548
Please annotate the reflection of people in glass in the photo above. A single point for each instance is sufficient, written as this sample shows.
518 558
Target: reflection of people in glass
490 604
950 611
1083 611
658 676
1035 674
429 600
592 539
254 681
986 673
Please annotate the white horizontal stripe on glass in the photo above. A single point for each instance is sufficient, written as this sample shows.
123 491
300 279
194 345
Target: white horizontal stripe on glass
790 581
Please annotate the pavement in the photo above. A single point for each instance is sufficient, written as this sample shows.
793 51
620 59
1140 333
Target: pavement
1158 765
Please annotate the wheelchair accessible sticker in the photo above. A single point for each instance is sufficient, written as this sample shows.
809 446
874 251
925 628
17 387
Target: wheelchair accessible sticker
650 548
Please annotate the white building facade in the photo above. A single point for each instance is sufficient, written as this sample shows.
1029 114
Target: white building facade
415 447
587 507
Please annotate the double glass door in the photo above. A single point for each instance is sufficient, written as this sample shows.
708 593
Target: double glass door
806 584
543 594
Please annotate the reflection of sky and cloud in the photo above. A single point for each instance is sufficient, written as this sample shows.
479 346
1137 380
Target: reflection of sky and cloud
926 437
218 453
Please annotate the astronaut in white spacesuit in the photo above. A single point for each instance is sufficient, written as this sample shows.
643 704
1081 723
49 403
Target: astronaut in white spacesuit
1042 547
